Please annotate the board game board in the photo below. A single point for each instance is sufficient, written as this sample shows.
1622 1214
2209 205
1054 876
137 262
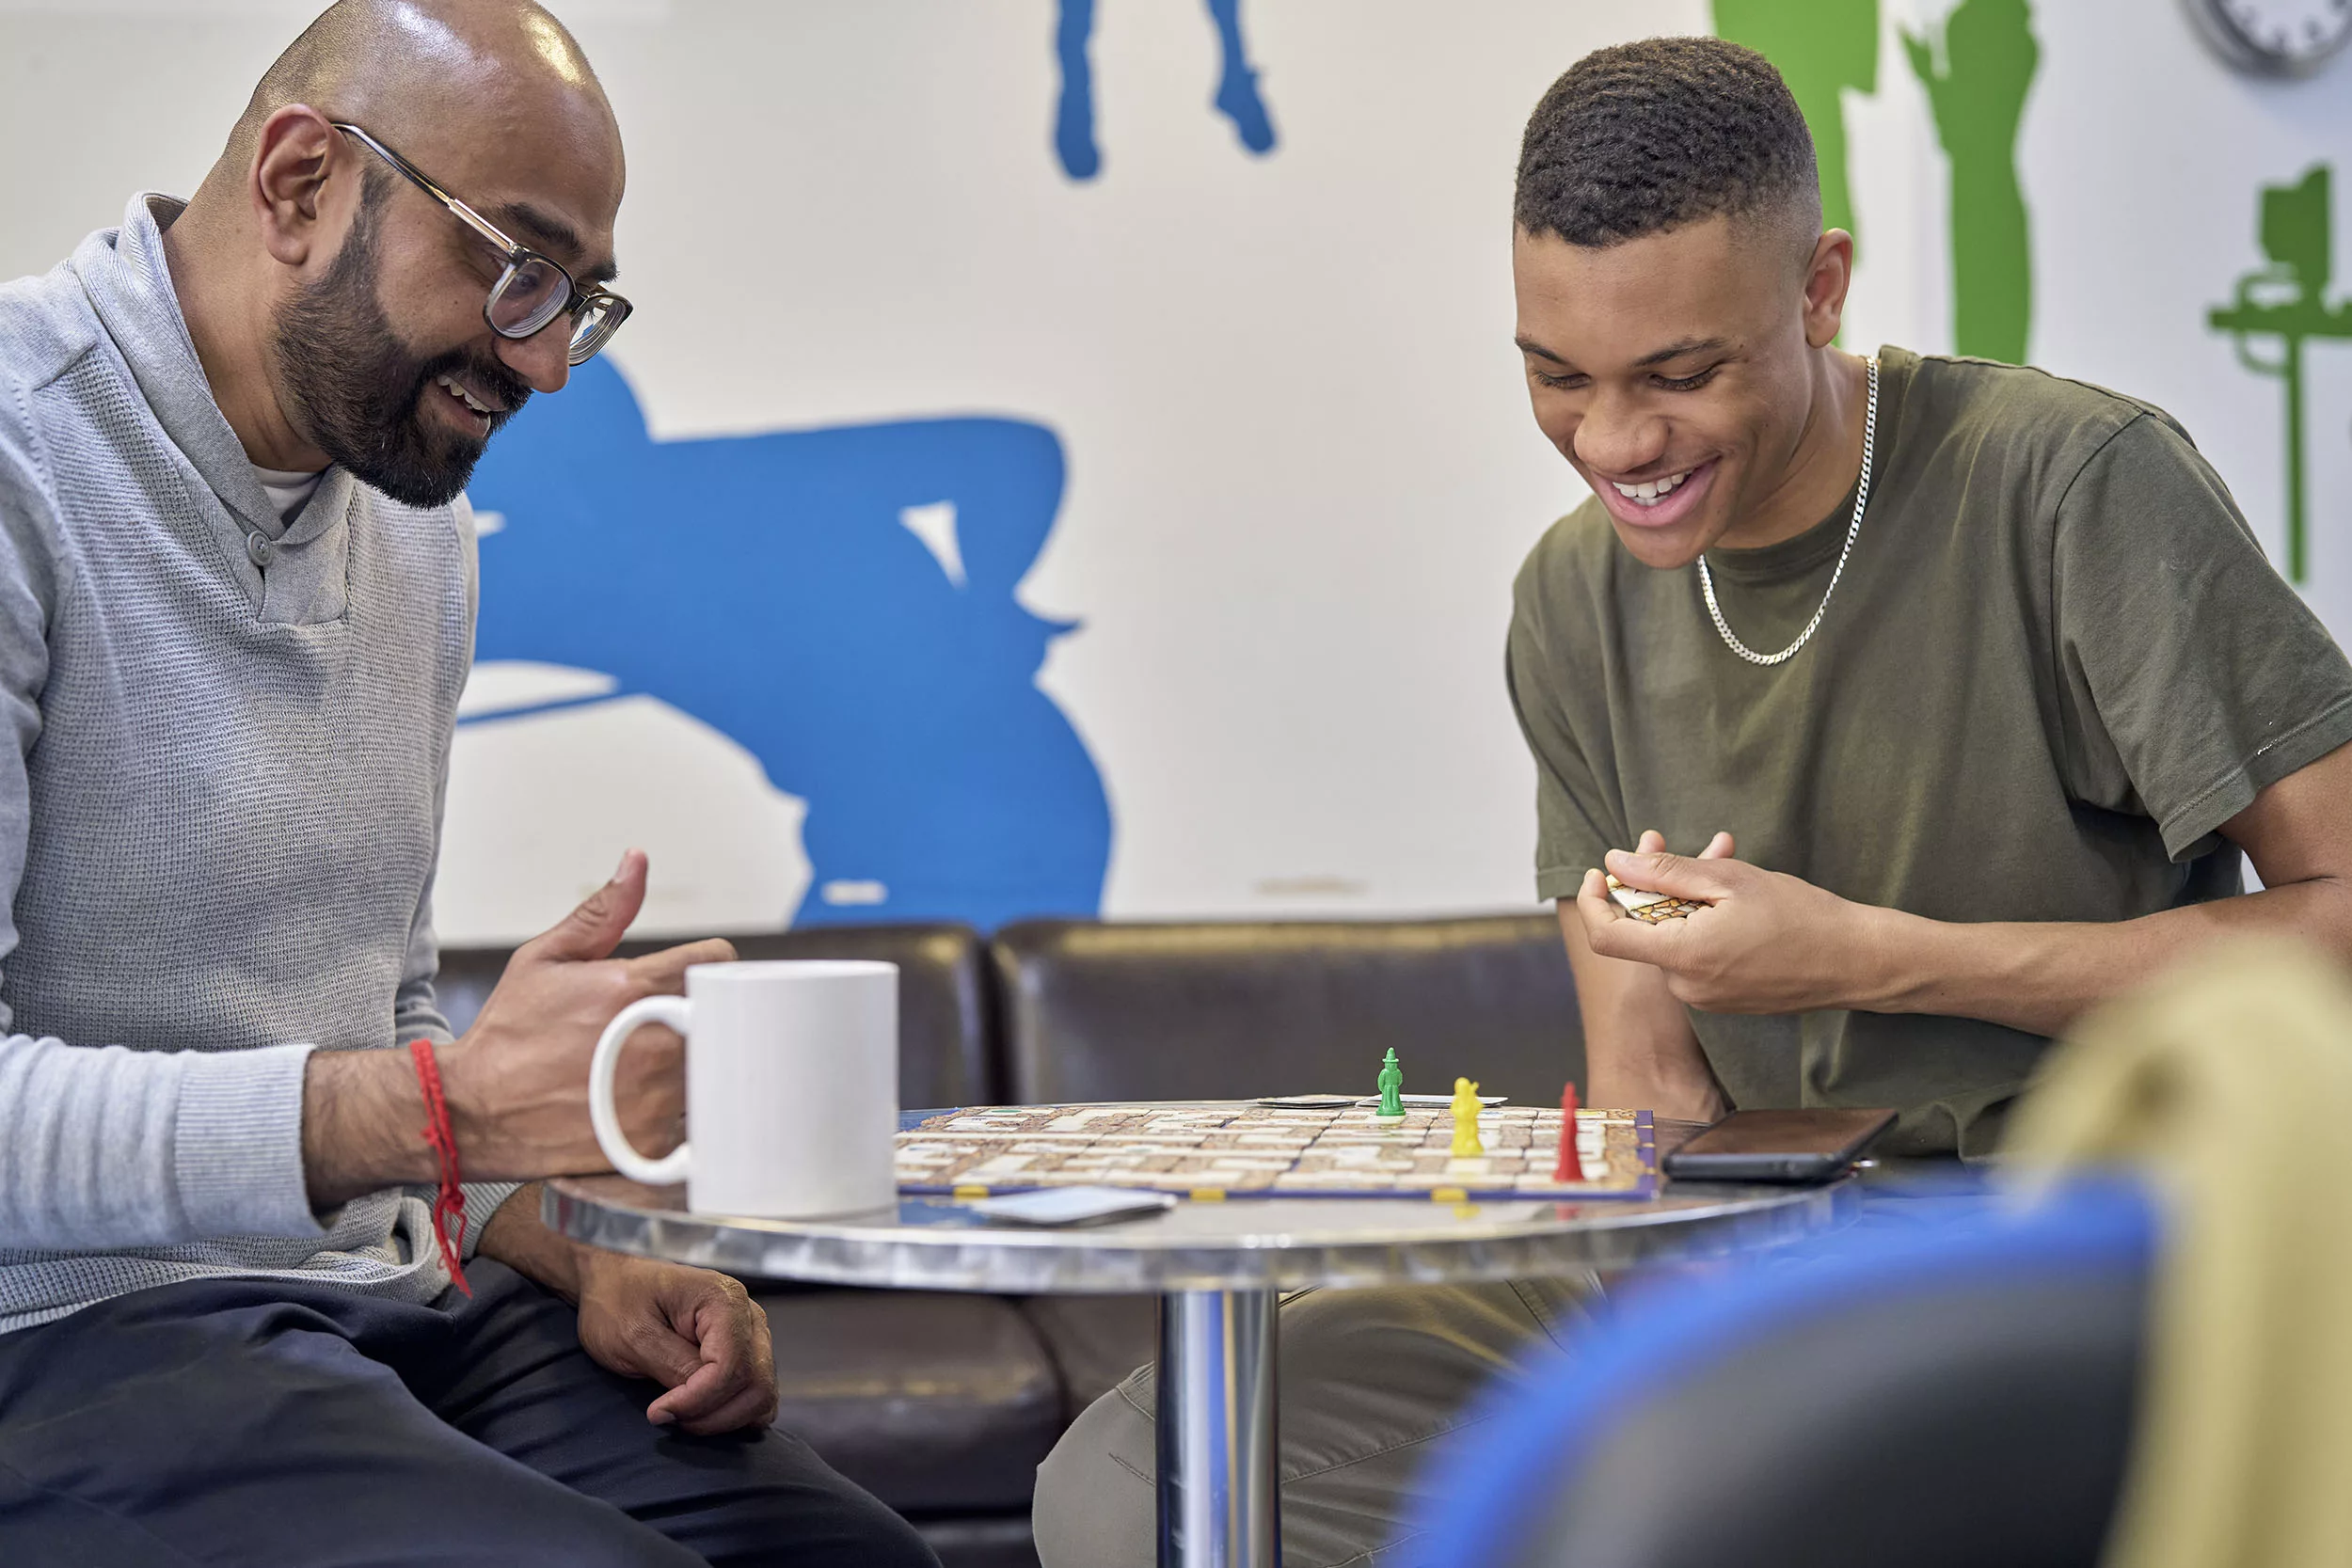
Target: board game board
1238 1148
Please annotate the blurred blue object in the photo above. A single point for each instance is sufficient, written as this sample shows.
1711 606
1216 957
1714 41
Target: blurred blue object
1237 97
1949 1382
842 602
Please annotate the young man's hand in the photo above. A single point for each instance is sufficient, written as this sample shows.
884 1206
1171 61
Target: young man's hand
696 1333
1767 943
1640 1050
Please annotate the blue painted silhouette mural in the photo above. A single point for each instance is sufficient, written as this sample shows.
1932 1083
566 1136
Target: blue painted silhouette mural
838 601
1236 97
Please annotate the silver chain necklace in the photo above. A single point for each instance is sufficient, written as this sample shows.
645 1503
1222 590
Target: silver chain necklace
1861 500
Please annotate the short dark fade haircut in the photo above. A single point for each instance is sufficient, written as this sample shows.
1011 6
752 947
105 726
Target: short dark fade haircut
1639 138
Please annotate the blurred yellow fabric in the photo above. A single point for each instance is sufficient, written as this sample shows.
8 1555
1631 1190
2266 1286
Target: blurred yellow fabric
2230 1085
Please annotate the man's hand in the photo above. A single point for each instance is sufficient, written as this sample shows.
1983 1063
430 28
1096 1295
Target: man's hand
1774 943
696 1333
1640 1050
1767 943
518 1080
517 1083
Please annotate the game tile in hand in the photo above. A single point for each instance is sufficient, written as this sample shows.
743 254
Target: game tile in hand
1652 907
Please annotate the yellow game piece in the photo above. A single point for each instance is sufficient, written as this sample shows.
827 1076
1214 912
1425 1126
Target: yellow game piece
1466 1109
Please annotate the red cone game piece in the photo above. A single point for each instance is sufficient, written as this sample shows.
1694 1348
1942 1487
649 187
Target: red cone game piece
1571 1167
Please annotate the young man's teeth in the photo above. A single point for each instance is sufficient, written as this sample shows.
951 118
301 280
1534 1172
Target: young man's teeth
470 401
1650 492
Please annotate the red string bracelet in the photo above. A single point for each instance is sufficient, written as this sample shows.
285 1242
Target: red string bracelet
449 1204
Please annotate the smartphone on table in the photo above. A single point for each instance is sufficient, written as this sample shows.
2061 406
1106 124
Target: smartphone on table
1815 1145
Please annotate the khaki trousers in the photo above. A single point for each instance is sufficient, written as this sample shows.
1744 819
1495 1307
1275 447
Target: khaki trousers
1369 1382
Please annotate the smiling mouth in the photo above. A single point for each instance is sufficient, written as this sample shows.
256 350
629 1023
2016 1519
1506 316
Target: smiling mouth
482 413
1650 492
1667 501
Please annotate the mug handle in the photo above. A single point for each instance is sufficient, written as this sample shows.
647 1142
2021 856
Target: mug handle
672 1011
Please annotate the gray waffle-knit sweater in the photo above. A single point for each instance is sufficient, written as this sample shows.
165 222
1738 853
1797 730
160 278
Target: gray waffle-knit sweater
224 742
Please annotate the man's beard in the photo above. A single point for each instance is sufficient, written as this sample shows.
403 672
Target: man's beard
361 394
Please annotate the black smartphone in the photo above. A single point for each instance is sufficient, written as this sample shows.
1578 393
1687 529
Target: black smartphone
1778 1146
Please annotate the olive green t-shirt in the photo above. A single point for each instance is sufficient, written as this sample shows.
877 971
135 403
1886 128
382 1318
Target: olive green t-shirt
2057 663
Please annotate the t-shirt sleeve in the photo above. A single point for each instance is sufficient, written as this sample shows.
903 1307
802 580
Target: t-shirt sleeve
2190 674
1574 824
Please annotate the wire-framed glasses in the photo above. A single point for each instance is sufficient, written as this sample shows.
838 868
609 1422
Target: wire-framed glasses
534 288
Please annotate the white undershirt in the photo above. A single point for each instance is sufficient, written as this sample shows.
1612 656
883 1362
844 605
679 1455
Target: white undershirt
288 489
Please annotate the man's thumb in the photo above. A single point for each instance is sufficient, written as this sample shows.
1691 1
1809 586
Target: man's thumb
597 926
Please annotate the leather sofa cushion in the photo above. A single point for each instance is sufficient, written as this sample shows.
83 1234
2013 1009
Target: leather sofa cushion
945 1046
1232 1009
934 1403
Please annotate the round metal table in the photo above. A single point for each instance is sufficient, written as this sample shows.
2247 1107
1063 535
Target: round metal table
1218 1269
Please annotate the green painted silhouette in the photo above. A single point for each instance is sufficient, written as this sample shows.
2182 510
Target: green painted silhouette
2288 299
1977 71
1821 48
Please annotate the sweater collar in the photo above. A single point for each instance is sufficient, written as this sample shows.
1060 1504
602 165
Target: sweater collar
129 283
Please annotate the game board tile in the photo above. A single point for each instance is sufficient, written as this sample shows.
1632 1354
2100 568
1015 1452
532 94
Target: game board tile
1078 1121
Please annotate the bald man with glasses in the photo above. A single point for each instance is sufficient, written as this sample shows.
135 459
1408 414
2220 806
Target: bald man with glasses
273 1288
532 290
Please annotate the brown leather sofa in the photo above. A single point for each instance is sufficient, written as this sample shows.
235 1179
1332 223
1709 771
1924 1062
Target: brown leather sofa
1213 1011
943 1404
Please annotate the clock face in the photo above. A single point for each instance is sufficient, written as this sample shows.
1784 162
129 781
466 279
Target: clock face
2279 35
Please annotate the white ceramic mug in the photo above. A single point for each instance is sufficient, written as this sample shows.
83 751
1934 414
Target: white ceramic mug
792 1088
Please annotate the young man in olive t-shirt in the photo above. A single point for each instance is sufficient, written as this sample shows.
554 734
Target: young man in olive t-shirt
2044 692
1972 751
2055 674
2056 683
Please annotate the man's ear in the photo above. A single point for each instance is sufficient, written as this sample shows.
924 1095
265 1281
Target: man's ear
293 159
1828 273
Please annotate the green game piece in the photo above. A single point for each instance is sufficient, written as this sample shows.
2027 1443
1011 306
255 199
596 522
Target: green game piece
1391 1086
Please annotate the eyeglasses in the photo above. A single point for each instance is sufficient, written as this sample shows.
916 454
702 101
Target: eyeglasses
534 289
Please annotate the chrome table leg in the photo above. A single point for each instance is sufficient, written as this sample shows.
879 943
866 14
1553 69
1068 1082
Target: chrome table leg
1219 1506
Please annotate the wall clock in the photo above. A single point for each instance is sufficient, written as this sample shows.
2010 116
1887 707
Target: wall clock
2277 37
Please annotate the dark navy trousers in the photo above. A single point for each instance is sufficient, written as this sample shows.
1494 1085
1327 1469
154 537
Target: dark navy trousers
236 1423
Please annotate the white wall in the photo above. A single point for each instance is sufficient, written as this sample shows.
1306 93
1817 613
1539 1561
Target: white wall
1301 470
